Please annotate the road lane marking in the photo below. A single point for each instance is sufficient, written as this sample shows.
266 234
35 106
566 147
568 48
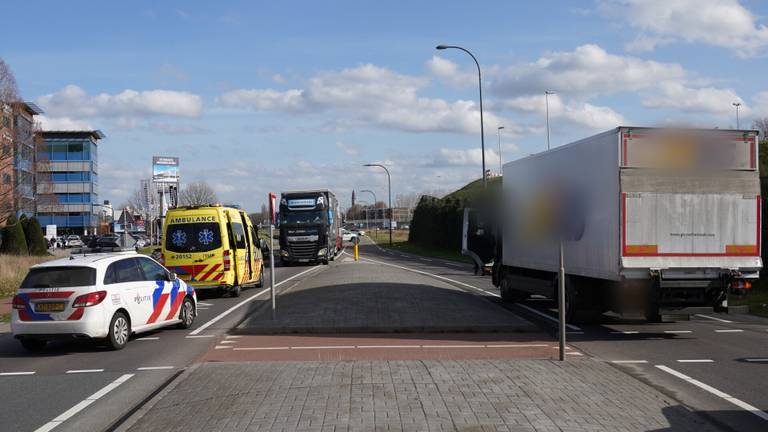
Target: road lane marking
542 314
739 403
16 373
325 347
84 403
453 346
228 341
204 304
728 331
222 346
246 301
76 371
677 331
695 361
425 259
753 360
198 336
149 368
388 346
261 348
629 361
516 345
148 338
625 332
713 318
232 337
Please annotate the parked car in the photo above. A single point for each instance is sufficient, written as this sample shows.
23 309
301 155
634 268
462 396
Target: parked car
73 241
348 235
103 297
357 232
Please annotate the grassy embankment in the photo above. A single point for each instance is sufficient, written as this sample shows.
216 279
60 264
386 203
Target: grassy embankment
756 299
12 271
400 243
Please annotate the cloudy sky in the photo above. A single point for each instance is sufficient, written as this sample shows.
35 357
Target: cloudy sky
269 96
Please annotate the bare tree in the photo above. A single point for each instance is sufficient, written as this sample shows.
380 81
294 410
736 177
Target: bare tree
9 97
9 93
196 194
761 124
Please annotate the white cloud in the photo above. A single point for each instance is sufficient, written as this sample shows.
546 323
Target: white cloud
465 157
449 71
346 148
683 98
72 101
723 23
761 104
62 123
587 71
368 95
580 114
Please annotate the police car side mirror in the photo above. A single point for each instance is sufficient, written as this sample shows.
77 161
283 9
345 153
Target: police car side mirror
172 276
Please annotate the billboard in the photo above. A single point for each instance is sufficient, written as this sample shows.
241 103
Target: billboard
165 169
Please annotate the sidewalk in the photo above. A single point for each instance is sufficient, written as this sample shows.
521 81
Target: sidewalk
362 297
508 395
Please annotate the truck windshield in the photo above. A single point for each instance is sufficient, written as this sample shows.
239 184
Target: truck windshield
302 217
59 277
193 237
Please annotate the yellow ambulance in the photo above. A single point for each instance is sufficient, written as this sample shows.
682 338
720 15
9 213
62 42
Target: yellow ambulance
212 247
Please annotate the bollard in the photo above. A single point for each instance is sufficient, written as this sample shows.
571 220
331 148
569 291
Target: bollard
357 252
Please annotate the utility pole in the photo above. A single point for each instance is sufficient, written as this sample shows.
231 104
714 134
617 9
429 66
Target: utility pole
546 100
737 105
498 129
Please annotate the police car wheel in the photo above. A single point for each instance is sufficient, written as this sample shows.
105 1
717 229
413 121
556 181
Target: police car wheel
187 314
235 291
119 331
34 345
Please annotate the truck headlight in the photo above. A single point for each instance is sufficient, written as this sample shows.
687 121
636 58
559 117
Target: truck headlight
321 252
284 253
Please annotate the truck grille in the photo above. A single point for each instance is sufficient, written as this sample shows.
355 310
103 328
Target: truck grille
303 250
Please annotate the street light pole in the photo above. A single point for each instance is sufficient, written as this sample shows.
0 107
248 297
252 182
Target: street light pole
480 87
498 129
389 189
374 206
546 100
737 105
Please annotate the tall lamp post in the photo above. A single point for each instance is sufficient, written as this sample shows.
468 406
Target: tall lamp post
498 129
480 87
374 205
389 189
737 105
546 101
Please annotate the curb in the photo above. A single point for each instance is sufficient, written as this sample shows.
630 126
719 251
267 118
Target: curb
286 330
123 425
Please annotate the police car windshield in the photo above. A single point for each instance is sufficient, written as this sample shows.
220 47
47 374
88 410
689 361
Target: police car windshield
59 277
193 237
302 217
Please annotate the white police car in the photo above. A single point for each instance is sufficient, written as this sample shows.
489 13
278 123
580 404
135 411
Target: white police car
102 296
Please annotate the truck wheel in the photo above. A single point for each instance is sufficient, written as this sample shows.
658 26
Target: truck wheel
235 291
324 261
652 314
119 331
33 345
508 294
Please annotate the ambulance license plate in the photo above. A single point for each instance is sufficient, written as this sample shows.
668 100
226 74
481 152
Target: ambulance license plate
49 307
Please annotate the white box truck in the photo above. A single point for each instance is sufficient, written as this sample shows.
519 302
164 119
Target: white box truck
654 220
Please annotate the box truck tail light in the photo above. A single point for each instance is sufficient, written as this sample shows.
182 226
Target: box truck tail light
227 260
740 284
19 303
90 299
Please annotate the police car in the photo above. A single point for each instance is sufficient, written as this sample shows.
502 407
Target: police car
99 296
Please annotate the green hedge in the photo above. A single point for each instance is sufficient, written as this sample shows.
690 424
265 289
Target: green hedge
36 242
13 240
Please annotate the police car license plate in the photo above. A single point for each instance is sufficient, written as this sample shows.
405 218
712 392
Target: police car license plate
49 307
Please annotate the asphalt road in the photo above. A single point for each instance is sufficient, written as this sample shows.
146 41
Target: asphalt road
39 388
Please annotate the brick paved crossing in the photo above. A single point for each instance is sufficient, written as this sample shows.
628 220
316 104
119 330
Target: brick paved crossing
471 395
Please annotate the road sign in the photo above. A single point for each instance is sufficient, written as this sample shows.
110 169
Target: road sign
273 207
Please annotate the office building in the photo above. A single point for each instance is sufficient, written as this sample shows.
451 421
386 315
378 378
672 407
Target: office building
17 159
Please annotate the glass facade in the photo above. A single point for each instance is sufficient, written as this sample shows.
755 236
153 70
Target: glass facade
72 180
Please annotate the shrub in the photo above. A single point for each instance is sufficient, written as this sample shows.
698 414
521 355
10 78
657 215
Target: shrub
14 242
36 242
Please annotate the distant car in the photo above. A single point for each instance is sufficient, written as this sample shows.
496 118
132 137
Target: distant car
347 235
357 232
73 241
102 296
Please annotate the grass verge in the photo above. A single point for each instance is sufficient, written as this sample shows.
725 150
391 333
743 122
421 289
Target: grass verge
400 243
5 318
13 269
756 299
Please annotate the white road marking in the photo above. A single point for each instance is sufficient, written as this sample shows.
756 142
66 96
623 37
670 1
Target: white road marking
198 336
625 332
76 371
149 368
204 304
542 314
695 361
453 346
678 331
728 331
739 403
249 299
260 348
388 346
232 337
713 318
228 342
84 403
16 373
324 347
425 259
222 346
516 345
629 361
148 338
753 360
